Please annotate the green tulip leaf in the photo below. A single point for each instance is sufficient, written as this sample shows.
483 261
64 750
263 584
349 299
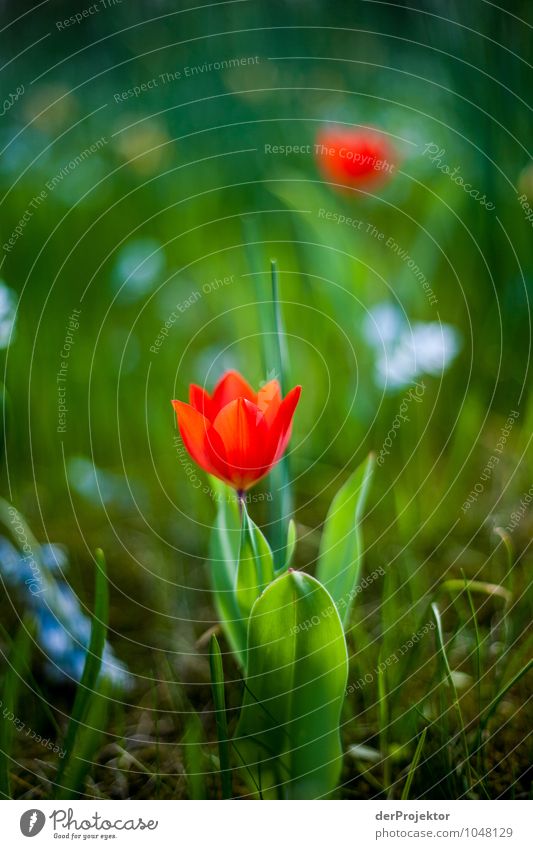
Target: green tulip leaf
256 565
341 546
288 733
219 699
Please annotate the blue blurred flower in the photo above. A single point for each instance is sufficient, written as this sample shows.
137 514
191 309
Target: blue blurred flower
102 487
62 629
96 485
54 557
8 306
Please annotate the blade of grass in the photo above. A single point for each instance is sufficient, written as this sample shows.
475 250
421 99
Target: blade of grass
484 720
458 585
275 364
509 551
506 620
280 353
477 656
281 507
477 668
194 757
491 708
449 676
217 686
88 684
155 714
414 764
88 740
383 710
30 678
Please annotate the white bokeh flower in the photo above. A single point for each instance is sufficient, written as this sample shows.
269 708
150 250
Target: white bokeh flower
405 351
383 324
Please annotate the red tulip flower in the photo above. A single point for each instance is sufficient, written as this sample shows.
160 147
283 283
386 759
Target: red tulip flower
355 158
237 434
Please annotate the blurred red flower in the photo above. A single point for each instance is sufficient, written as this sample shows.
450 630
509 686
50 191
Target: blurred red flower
236 434
355 158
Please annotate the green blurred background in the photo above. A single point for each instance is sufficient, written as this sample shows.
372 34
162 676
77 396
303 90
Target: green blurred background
181 180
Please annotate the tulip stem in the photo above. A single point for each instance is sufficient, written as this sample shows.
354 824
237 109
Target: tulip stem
240 500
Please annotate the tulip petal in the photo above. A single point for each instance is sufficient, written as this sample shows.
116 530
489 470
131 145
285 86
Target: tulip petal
355 157
194 428
269 400
280 432
200 400
230 387
242 428
241 440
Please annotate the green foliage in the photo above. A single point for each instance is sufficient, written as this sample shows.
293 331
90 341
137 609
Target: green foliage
492 707
217 687
256 565
414 764
288 731
275 365
175 177
341 546
87 742
447 672
281 506
291 543
194 756
224 557
15 676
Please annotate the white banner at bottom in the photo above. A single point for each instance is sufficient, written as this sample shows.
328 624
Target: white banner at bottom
268 825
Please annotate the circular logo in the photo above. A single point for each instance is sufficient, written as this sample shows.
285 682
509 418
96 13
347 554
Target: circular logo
32 822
